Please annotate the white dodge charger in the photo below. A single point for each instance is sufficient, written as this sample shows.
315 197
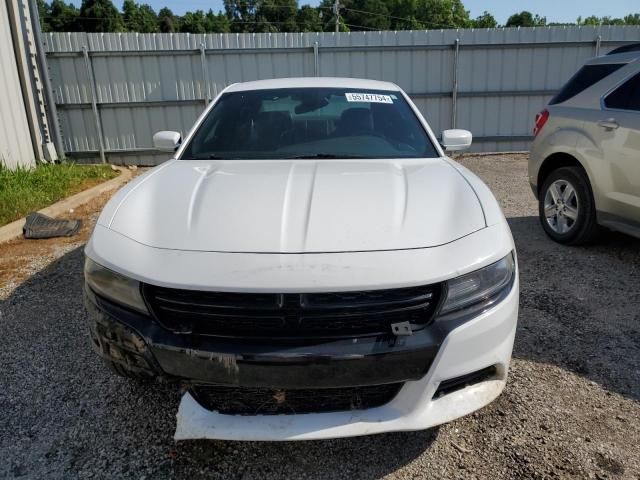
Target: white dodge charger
311 264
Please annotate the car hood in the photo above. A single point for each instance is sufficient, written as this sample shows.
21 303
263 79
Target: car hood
296 206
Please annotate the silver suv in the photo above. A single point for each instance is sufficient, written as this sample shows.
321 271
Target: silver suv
584 164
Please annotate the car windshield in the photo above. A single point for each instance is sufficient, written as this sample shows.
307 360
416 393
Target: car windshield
310 123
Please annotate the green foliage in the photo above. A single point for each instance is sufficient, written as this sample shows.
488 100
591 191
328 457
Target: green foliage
194 22
139 18
217 22
526 19
486 20
276 16
443 14
100 16
631 19
24 190
241 14
309 19
58 16
286 16
167 21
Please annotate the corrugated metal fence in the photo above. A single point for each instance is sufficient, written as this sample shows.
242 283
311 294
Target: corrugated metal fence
115 90
15 140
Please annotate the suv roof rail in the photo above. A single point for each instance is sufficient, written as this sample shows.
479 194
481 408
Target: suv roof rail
632 47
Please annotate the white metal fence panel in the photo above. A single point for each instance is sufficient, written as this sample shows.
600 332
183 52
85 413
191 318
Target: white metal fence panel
16 148
490 81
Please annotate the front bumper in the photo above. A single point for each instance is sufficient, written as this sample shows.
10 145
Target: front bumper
446 349
139 343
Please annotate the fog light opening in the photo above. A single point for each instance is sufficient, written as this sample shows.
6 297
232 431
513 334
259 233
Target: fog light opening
458 383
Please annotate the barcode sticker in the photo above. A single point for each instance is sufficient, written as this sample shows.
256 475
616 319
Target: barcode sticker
368 98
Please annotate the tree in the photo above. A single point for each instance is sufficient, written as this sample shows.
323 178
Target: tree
241 14
60 17
43 13
309 19
363 14
403 13
100 16
526 19
194 22
217 23
139 18
632 19
276 16
442 14
486 20
167 21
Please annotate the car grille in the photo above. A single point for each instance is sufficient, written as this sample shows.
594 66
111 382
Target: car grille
268 401
291 315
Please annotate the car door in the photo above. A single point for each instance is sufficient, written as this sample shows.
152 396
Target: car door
618 130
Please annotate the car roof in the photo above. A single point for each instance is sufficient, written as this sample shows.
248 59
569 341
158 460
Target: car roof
625 57
311 82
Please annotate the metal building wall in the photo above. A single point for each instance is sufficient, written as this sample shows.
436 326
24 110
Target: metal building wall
16 148
490 81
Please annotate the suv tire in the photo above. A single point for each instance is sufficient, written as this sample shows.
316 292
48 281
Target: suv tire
566 207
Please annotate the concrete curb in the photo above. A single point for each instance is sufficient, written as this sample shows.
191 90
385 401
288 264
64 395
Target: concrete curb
14 229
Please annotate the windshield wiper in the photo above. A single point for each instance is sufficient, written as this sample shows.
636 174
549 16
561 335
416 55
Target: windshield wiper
209 156
325 155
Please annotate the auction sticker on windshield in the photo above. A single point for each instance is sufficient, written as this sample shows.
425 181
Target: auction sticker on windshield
368 97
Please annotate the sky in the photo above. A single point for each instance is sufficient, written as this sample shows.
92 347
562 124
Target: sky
554 10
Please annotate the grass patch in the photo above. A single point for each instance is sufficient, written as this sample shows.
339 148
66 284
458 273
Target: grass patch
25 190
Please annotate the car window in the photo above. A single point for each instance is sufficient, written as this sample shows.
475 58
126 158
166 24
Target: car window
310 122
585 77
626 96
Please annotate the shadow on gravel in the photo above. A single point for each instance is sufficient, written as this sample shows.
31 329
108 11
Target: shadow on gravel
579 306
71 417
369 457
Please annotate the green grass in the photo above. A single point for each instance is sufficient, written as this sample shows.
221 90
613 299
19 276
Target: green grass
25 190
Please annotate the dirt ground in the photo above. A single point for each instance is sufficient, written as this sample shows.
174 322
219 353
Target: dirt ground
571 408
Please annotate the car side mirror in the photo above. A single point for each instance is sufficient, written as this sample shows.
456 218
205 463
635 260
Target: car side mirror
166 141
456 139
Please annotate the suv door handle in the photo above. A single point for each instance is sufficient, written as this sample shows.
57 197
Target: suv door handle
609 124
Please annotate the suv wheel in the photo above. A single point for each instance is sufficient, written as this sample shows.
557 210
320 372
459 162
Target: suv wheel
566 206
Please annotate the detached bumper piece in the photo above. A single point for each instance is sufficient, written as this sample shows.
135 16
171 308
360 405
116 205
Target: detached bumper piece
268 401
38 225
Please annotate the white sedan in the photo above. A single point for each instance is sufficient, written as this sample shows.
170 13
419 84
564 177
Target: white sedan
311 264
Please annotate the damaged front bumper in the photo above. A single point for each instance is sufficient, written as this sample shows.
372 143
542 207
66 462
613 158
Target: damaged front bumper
446 350
138 342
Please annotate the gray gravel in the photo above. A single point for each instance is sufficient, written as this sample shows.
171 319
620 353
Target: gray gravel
571 408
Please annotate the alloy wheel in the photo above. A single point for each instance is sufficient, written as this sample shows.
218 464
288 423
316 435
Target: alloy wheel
561 206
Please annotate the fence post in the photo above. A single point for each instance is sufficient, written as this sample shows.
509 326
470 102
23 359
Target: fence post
94 101
598 42
205 74
316 65
46 80
454 91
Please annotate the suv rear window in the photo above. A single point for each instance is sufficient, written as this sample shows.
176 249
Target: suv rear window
585 77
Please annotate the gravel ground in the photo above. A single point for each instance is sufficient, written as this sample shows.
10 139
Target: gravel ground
571 408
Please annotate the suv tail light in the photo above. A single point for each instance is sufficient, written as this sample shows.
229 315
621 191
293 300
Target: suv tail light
541 119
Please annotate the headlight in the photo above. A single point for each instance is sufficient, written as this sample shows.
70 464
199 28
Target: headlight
480 285
114 286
